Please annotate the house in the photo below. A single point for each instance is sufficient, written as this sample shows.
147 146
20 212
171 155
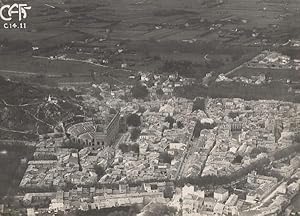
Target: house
251 197
187 190
1 208
209 203
295 161
177 146
30 212
56 206
218 209
167 110
221 195
151 187
232 200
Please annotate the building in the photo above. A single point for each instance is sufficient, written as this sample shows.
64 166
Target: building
236 126
221 195
97 133
190 190
209 203
1 208
218 209
30 212
107 136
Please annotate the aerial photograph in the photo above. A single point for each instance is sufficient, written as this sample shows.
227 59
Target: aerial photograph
150 107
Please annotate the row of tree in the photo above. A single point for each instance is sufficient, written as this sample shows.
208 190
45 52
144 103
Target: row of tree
212 180
268 91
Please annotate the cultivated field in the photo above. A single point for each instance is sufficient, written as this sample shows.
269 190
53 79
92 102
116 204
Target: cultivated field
162 30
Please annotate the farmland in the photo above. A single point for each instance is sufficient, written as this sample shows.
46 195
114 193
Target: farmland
274 74
148 33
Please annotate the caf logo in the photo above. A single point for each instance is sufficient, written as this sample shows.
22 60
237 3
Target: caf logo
7 11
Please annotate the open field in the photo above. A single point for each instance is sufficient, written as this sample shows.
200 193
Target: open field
275 74
148 29
57 71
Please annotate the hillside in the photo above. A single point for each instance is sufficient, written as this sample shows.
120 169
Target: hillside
27 111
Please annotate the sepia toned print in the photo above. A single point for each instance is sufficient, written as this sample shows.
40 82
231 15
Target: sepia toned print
149 107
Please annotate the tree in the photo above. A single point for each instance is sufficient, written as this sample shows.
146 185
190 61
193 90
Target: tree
118 213
233 115
257 151
197 129
141 109
237 159
200 126
135 134
124 147
159 92
297 138
93 75
133 120
158 209
99 170
170 120
139 91
112 111
179 124
183 68
168 192
198 104
135 148
164 157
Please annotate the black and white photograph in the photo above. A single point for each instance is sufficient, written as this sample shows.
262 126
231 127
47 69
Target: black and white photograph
149 107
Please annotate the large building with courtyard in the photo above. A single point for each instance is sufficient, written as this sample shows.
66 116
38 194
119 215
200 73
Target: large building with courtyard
96 133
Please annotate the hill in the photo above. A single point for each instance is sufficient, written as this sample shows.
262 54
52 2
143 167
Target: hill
27 111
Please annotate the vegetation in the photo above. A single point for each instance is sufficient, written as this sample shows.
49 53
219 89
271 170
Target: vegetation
179 124
198 104
238 159
45 157
212 180
22 103
139 91
297 137
118 211
268 91
141 109
159 92
127 148
170 120
99 170
233 115
135 134
158 209
133 120
12 169
200 126
164 157
168 192
183 68
257 151
286 152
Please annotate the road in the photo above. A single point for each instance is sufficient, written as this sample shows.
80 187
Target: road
187 152
270 196
235 69
82 61
18 72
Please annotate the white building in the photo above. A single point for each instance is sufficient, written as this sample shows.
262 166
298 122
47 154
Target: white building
221 195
